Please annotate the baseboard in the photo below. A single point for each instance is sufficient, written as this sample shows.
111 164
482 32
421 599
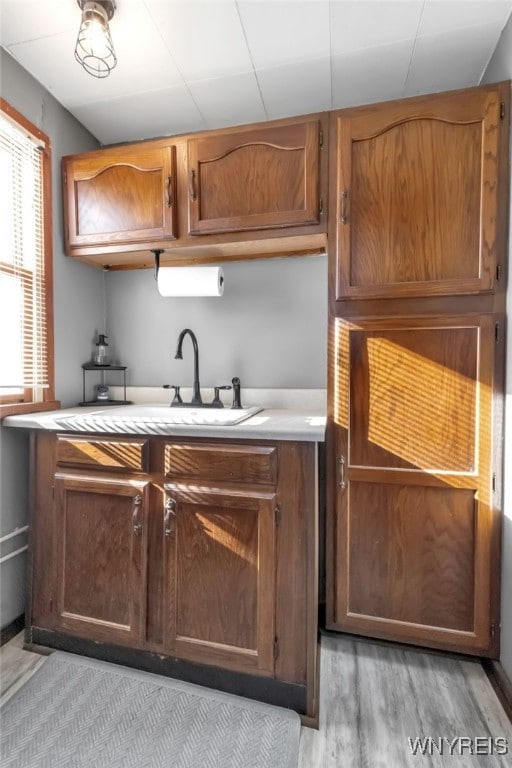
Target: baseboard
501 684
12 629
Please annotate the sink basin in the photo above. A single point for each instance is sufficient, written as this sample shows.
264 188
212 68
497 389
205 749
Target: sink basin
153 418
221 417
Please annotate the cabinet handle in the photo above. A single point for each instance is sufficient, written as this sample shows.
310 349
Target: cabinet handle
137 503
193 192
169 517
169 195
341 473
344 195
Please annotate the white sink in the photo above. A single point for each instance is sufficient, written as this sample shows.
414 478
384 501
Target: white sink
164 414
154 416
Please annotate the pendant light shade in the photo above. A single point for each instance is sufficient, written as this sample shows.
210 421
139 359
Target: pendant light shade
94 48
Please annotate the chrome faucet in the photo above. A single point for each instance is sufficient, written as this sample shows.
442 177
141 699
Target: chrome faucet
196 395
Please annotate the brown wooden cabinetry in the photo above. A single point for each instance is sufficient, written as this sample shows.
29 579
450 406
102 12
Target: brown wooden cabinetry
255 178
254 191
119 196
220 576
416 306
101 557
416 196
185 552
414 531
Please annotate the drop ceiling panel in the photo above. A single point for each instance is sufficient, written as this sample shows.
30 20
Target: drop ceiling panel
229 101
296 89
280 32
450 15
371 75
22 20
172 111
189 64
205 39
370 23
52 62
455 59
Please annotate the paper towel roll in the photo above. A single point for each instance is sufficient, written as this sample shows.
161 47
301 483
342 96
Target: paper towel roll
191 281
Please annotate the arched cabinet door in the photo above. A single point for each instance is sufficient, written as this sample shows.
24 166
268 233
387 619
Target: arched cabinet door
120 196
254 179
416 196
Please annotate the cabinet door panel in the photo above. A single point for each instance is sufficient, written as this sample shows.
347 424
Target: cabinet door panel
101 562
120 196
413 527
255 179
417 197
220 577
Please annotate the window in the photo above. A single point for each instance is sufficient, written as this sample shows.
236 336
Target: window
26 370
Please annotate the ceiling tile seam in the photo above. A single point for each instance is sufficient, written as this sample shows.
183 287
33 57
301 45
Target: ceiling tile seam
251 59
404 89
185 82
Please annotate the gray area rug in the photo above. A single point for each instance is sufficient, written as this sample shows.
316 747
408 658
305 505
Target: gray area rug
81 713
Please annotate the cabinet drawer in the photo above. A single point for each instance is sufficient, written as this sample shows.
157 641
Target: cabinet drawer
257 464
111 455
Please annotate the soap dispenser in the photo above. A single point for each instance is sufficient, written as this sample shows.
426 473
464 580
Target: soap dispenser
100 356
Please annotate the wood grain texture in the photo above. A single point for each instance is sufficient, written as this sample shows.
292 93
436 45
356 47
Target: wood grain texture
111 455
120 195
220 572
417 564
419 215
254 179
374 698
413 528
242 463
413 398
235 583
101 558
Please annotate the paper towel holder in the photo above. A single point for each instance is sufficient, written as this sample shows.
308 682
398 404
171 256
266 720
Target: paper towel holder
157 253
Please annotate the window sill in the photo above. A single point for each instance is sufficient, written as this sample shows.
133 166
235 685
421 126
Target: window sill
12 409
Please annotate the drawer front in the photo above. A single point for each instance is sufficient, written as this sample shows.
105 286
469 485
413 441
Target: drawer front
111 455
256 464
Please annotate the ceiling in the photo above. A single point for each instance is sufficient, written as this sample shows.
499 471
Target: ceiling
189 65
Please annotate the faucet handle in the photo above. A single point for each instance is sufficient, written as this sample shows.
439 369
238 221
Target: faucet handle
236 393
217 402
177 397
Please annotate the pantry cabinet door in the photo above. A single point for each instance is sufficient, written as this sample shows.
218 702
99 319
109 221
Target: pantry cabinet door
415 194
259 178
101 561
412 530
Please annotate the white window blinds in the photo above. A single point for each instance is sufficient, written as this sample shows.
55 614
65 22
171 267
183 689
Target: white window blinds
24 361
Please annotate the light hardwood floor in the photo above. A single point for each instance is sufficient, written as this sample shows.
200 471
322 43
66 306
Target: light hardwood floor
374 698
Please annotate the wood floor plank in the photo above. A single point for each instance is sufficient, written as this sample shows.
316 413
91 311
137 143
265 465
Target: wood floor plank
374 697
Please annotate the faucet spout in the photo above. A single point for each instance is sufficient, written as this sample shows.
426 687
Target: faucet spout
196 395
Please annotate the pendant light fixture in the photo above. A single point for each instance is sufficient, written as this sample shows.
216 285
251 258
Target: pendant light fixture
94 48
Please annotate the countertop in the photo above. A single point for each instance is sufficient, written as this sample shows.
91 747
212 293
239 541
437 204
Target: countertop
269 424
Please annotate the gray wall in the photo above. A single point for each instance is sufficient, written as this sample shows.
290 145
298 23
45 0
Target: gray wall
269 328
78 310
500 68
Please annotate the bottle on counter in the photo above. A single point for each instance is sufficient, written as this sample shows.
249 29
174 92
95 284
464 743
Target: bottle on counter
100 355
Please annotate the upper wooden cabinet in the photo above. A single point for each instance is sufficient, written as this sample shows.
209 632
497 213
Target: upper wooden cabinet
415 195
255 178
120 195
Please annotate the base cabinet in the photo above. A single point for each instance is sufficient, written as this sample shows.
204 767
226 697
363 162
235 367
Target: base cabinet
192 553
220 558
100 558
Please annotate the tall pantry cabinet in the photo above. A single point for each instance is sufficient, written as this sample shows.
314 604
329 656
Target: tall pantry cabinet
418 229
